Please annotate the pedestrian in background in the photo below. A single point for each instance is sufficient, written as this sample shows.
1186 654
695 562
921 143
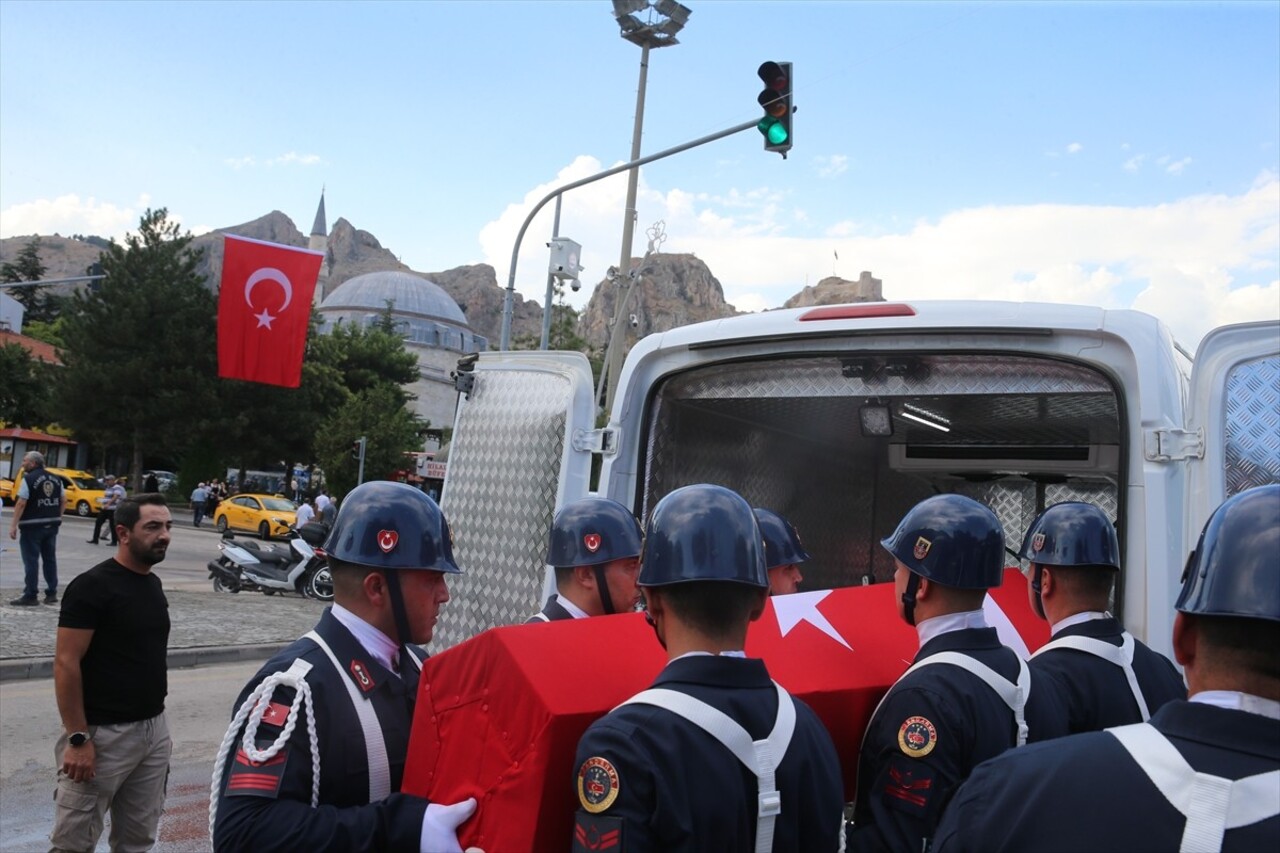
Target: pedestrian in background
110 677
198 498
304 513
38 514
152 483
107 511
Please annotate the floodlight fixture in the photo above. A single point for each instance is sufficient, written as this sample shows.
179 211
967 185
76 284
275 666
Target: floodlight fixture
678 13
622 8
876 420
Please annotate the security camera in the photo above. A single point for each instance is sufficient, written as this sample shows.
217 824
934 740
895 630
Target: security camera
635 321
575 285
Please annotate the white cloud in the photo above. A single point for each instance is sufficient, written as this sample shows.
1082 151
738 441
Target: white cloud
829 167
1075 148
1196 262
1134 163
1177 167
70 214
292 158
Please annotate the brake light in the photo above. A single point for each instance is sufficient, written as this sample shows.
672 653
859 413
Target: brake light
859 311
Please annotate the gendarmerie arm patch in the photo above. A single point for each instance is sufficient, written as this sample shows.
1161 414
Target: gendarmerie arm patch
256 778
598 784
596 833
909 786
917 737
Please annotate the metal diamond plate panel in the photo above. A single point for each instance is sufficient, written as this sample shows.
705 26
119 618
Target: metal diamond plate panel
500 496
1253 425
786 435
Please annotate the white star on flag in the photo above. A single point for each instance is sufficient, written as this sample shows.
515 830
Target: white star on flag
264 319
799 607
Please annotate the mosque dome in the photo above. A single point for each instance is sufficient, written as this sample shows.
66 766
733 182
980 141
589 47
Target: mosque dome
411 295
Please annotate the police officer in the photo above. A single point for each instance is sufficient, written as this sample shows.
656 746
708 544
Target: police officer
329 716
783 552
1105 676
964 699
715 756
595 550
1202 774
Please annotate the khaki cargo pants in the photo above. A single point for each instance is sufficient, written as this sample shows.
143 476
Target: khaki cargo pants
130 774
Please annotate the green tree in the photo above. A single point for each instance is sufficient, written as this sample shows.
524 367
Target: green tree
25 400
389 428
39 306
563 334
140 350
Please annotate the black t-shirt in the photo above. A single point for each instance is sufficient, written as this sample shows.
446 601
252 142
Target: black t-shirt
124 672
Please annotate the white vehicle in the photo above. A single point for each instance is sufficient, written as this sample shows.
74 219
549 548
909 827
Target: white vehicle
842 417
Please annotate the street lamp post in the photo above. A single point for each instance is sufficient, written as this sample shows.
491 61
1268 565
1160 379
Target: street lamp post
665 19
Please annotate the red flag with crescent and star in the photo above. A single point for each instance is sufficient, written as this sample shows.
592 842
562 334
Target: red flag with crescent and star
264 304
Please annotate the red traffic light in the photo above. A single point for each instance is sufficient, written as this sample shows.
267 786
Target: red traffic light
776 85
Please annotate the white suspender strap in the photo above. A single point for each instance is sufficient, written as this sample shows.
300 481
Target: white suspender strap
1121 656
1013 695
761 757
374 745
1211 804
541 617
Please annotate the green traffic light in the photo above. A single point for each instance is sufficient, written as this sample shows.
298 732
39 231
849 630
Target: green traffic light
774 131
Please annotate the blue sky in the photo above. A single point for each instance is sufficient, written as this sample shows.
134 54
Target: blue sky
1126 155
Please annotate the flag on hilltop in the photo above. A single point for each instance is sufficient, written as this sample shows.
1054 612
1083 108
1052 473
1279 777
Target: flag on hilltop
264 305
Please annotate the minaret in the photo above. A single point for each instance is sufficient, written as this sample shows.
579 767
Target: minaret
319 242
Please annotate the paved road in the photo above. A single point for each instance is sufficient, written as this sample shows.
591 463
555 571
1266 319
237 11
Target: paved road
199 708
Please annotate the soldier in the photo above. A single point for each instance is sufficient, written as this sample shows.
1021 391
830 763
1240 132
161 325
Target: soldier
1105 676
783 552
938 722
595 549
328 718
715 756
1202 774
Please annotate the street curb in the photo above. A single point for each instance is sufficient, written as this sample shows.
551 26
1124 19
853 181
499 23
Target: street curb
18 669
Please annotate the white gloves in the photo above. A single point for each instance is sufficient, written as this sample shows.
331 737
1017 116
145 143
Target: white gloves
440 826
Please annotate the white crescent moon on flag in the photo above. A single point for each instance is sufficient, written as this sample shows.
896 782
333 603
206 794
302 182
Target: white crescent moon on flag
272 274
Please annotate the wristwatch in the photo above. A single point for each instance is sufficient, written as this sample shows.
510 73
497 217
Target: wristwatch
79 738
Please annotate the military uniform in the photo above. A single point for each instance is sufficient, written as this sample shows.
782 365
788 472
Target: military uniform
552 611
267 805
932 728
1088 793
650 779
1098 693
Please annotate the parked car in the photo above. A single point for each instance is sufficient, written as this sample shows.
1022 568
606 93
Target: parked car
83 492
7 489
266 515
166 480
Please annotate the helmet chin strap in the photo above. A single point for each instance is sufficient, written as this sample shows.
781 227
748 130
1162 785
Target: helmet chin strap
606 600
1036 574
401 617
909 599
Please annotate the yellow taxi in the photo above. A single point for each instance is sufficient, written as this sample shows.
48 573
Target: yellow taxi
82 492
266 515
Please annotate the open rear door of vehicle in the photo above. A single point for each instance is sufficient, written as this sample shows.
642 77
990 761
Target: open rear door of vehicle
1234 410
522 445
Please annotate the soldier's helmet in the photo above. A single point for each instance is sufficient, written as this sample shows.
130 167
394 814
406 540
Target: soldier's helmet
702 533
1235 568
1072 534
387 525
952 540
782 546
591 532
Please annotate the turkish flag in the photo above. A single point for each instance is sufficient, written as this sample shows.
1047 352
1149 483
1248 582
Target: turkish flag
499 716
264 305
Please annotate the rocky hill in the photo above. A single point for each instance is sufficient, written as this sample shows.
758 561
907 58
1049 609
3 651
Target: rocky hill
676 289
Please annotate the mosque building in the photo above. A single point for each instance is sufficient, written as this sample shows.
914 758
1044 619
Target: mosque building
433 326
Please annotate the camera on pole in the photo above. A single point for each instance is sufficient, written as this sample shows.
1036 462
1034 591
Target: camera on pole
777 105
566 257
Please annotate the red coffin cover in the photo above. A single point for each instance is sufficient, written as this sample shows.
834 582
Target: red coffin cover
499 716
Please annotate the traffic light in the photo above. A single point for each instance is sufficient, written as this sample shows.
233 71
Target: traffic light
776 101
357 449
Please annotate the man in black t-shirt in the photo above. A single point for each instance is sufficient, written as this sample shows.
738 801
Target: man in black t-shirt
111 679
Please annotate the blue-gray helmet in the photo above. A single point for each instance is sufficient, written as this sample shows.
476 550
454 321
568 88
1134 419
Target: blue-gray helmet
1235 568
782 546
386 525
952 540
1072 534
591 532
702 533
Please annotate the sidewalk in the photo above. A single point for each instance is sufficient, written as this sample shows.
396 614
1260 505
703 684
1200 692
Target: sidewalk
207 627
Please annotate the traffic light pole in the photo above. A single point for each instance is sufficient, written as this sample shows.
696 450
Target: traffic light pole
509 301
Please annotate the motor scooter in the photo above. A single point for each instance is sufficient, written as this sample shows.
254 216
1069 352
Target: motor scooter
247 565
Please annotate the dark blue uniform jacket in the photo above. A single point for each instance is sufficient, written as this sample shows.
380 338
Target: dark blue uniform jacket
679 789
268 807
553 610
1087 793
1095 691
934 726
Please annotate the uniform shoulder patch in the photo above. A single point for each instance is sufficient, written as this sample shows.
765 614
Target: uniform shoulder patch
598 784
596 833
250 778
908 787
917 737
